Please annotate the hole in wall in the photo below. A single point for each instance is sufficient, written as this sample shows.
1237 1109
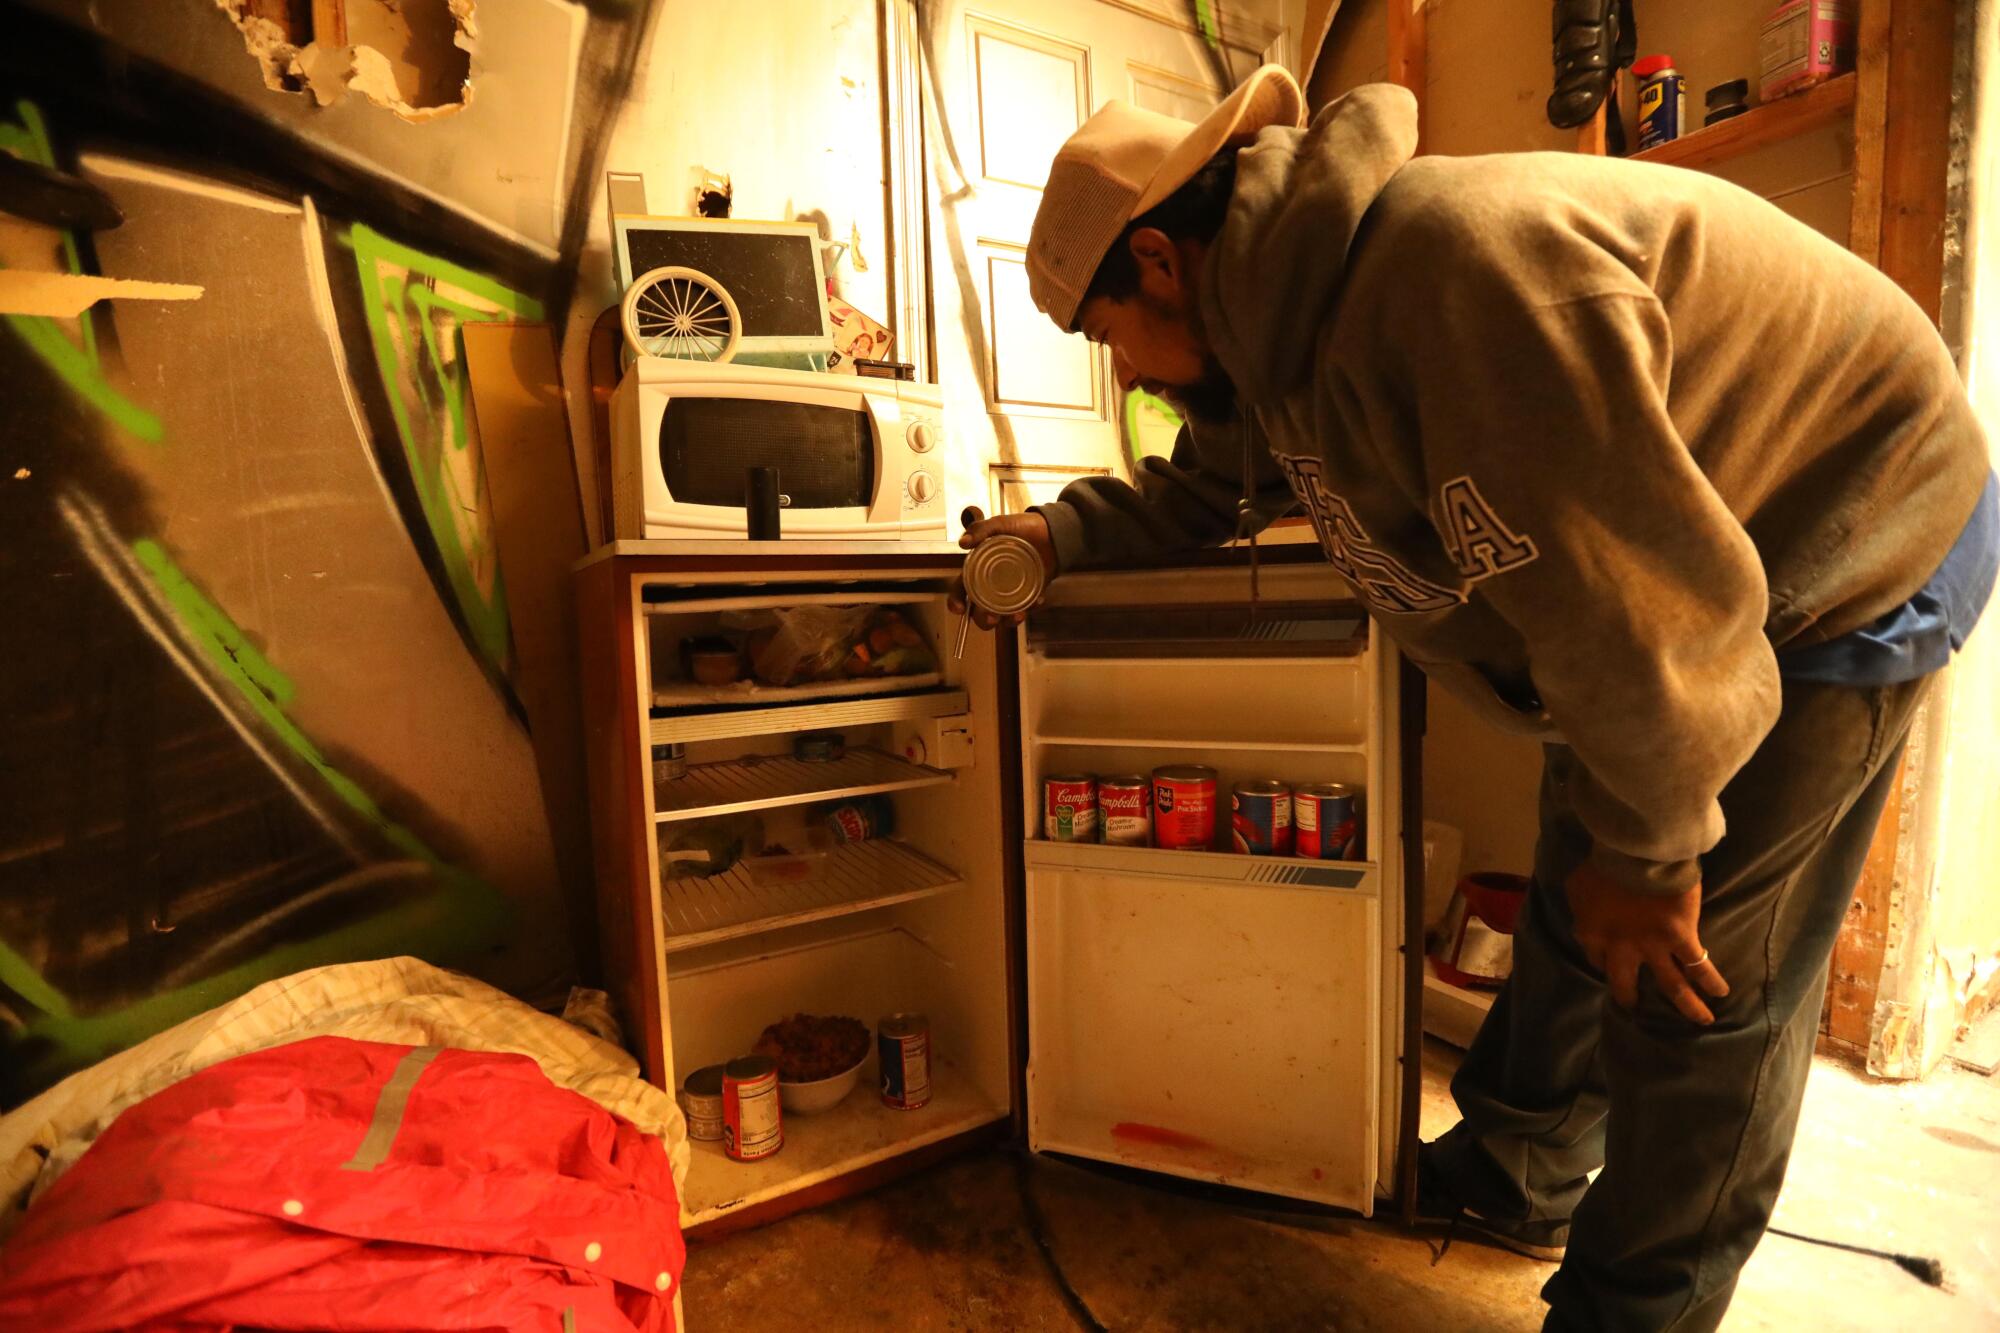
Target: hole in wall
412 57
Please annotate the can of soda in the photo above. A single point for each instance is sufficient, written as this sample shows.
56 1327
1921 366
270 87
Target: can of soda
904 1043
1328 823
1184 808
1069 808
1261 818
1125 811
752 1123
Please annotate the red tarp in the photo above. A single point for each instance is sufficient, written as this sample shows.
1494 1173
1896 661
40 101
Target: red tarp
337 1184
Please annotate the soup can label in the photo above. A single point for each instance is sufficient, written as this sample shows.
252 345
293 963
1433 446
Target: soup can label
904 1043
1328 829
1184 808
752 1124
1069 808
1261 818
1125 808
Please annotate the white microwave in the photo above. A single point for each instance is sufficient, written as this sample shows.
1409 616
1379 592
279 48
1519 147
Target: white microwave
857 458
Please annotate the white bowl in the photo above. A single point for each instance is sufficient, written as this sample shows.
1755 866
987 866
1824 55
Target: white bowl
822 1094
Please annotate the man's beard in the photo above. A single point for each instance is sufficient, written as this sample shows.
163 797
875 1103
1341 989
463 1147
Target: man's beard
1212 398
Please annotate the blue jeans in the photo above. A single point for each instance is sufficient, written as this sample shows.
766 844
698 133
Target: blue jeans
1692 1125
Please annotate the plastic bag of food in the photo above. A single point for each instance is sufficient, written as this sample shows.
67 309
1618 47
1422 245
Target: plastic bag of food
889 646
803 644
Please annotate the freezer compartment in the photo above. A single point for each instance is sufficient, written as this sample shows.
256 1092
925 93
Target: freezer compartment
720 999
1219 1029
1280 703
900 655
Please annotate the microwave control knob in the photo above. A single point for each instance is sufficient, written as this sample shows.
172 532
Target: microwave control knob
923 437
923 487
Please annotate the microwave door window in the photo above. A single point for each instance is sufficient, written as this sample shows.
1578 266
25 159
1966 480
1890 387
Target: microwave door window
825 456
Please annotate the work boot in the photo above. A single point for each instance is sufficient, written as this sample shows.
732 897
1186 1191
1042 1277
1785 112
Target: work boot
1438 1204
1587 53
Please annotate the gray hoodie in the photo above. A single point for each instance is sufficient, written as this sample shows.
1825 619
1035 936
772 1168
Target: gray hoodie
1593 439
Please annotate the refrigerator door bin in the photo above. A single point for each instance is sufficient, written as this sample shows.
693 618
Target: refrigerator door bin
1219 1023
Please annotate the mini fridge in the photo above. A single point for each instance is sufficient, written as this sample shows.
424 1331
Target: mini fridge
1243 1020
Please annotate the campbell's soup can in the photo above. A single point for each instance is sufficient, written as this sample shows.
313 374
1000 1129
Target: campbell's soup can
1069 808
904 1043
701 1103
1184 808
1125 811
1260 818
1327 818
752 1125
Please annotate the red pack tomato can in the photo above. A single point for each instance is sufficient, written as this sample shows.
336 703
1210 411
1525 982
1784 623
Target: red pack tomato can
753 1127
1125 811
1069 808
1260 818
1327 818
1184 808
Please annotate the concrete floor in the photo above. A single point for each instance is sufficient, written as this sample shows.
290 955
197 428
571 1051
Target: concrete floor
1914 1168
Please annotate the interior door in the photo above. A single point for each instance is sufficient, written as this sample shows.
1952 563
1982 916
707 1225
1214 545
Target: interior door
1031 408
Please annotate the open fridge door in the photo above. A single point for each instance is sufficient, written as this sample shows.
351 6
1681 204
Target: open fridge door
1219 1016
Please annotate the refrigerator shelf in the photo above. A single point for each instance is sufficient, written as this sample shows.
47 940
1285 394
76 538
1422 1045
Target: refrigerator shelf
859 1132
764 782
714 726
1214 867
1189 743
851 878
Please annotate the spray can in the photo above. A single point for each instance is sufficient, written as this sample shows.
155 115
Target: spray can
1662 101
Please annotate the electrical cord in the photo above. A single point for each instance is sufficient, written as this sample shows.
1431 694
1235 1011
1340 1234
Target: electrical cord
1079 1308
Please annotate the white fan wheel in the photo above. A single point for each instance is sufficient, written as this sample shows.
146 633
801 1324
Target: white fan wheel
680 313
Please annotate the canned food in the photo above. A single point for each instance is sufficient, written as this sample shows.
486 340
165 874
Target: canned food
904 1043
701 1103
1184 808
1069 808
1261 818
862 819
752 1125
1328 826
670 762
1125 811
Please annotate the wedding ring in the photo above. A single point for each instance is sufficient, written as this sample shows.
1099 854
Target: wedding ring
1696 963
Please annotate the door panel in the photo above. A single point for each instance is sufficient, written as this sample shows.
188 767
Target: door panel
1010 80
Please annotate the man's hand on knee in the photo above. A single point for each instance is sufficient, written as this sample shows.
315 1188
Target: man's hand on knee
1622 931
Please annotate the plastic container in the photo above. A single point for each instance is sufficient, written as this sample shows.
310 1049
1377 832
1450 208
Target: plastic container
1662 101
1726 101
1802 43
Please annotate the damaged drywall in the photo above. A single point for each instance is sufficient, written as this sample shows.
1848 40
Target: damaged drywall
412 57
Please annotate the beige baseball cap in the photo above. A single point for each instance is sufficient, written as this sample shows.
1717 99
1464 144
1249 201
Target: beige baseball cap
1123 161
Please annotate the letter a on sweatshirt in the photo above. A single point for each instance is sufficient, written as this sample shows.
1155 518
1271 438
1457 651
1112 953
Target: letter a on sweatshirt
1481 544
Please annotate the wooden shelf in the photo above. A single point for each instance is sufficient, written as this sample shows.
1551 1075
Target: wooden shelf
1759 127
847 879
764 782
834 714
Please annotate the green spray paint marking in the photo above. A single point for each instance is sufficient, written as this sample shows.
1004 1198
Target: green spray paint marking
1137 401
78 367
413 327
1204 17
465 916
